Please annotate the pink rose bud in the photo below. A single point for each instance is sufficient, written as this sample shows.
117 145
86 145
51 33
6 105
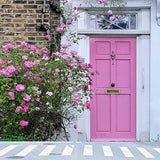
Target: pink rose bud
75 126
88 105
75 8
69 22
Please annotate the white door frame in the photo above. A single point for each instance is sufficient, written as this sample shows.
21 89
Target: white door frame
142 72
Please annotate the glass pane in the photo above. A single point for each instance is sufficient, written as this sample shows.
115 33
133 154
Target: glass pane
133 21
93 22
103 22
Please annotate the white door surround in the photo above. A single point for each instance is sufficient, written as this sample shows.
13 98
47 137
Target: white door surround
142 35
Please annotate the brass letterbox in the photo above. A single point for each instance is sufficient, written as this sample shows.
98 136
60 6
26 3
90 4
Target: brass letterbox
112 91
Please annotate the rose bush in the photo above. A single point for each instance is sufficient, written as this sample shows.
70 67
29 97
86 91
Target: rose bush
40 94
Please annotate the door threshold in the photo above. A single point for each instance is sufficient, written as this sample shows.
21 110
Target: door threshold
113 140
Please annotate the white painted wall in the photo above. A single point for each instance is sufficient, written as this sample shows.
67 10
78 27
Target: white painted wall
155 77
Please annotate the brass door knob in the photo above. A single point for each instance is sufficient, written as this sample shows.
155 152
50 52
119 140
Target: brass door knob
113 55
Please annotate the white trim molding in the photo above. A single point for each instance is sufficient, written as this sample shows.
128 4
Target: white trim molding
158 12
113 32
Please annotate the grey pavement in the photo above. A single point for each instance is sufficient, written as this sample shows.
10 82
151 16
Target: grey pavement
79 150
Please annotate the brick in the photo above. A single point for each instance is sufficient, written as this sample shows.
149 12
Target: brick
18 15
20 1
31 2
19 20
20 11
19 25
30 6
31 38
8 6
30 25
40 38
9 33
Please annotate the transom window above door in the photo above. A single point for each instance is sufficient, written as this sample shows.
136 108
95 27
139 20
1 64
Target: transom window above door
113 22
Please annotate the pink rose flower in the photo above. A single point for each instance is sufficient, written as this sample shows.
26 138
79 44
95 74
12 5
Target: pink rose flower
23 44
44 49
38 99
3 72
37 109
33 48
11 94
71 65
24 58
65 57
1 62
27 98
57 70
64 46
77 98
109 12
111 18
28 64
23 123
45 57
103 1
38 79
5 49
25 109
58 29
18 109
11 69
49 93
48 36
63 51
63 25
20 87
73 52
25 105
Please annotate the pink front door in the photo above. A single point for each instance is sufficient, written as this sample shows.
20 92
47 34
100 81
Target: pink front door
113 116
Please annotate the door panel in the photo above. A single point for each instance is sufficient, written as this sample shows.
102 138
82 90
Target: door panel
123 73
123 111
103 47
103 113
113 117
103 67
